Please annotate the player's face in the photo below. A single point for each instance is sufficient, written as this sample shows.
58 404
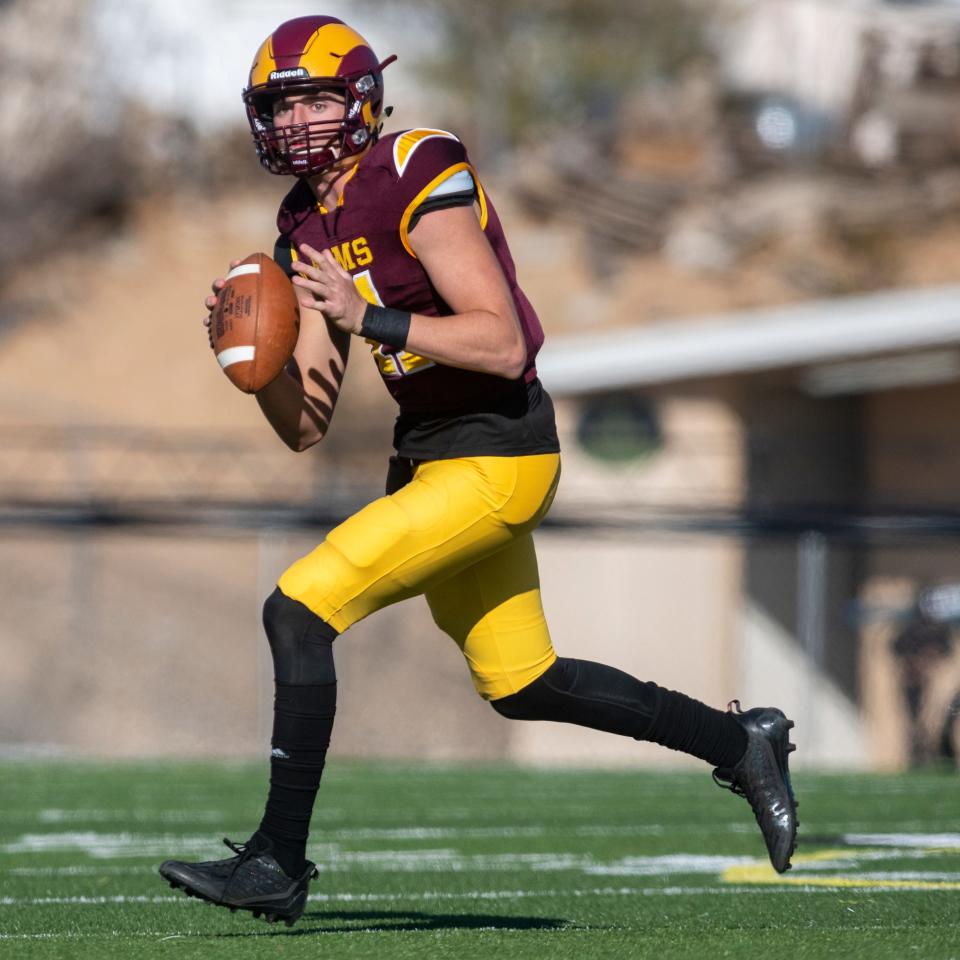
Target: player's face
309 123
326 107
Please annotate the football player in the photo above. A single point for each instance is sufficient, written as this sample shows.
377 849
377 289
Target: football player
394 246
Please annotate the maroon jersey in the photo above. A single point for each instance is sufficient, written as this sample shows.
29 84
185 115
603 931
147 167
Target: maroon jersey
403 177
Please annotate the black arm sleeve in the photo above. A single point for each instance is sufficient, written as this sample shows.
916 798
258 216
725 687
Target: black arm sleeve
464 199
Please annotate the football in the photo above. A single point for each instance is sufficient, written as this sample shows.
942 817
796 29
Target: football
255 323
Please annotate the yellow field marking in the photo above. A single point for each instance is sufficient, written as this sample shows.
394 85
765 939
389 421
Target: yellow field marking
763 873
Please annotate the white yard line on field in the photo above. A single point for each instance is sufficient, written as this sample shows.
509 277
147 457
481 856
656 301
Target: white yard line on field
35 842
445 860
76 870
448 861
929 840
331 858
55 815
109 845
467 895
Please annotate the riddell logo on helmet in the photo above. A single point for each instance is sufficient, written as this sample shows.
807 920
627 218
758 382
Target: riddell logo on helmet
294 73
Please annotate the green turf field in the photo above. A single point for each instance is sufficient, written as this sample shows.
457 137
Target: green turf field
450 862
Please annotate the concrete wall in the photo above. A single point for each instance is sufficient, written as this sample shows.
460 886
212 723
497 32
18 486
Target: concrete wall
914 458
133 645
913 462
831 731
661 609
126 644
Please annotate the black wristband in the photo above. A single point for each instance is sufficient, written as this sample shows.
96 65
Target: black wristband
385 325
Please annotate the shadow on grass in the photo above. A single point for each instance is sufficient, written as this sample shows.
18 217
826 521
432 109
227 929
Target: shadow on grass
389 921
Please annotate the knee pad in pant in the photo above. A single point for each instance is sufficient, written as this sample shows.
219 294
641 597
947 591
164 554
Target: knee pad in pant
301 643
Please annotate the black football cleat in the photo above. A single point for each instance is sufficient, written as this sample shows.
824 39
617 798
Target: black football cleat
252 880
762 776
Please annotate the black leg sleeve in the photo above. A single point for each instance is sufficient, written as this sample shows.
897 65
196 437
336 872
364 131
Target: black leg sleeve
304 708
604 698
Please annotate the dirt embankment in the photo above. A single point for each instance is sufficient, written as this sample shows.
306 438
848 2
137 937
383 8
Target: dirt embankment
109 332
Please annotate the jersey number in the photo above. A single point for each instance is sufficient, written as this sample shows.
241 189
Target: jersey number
392 363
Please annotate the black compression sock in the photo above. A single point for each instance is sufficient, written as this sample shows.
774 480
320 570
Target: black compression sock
604 698
683 723
304 708
303 721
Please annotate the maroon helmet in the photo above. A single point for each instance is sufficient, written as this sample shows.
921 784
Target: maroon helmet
307 56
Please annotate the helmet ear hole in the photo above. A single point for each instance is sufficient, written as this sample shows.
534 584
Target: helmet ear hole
263 108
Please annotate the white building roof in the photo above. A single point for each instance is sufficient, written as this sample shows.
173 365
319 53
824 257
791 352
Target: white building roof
753 341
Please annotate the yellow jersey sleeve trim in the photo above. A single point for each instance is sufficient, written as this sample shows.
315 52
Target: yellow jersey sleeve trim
405 145
427 190
482 198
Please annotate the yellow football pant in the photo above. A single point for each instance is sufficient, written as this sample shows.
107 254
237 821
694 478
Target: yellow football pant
460 532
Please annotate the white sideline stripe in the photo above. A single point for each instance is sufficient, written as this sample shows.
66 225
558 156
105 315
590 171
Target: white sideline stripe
235 355
126 844
98 815
105 846
432 833
139 815
108 844
331 859
243 270
78 871
951 840
445 895
82 900
910 875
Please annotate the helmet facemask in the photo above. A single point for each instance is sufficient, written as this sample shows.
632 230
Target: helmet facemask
307 149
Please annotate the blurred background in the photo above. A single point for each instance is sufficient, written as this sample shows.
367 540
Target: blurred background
739 221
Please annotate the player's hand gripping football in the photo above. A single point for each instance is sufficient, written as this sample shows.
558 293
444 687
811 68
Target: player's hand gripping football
211 302
325 287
